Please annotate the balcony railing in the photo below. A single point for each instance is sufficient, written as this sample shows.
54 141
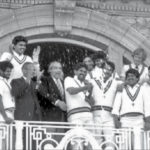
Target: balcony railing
62 136
22 3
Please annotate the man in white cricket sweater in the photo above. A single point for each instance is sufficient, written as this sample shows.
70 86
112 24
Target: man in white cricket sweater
132 106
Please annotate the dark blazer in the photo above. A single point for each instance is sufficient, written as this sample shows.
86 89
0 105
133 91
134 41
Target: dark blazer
50 94
27 106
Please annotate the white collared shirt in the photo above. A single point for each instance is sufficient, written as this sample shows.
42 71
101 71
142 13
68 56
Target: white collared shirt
144 75
17 62
100 96
96 73
76 100
123 103
5 92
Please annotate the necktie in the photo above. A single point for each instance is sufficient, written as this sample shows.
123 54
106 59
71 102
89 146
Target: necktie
60 87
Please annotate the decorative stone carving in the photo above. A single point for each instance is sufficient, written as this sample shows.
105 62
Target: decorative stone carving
63 14
147 1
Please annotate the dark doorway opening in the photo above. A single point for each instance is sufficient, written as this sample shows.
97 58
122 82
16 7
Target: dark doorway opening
67 54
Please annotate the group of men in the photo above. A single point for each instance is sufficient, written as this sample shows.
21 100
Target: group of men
95 95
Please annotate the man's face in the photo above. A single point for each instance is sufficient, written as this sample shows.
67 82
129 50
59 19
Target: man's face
81 73
89 63
99 62
30 71
107 71
138 58
20 47
55 69
7 73
131 79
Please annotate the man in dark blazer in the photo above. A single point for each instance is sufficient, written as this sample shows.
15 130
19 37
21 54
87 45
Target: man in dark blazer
53 97
24 91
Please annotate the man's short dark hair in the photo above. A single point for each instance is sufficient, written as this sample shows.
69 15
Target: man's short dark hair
79 65
89 56
4 65
99 55
134 72
111 64
18 39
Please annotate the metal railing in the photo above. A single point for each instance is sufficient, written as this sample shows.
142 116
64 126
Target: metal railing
13 4
62 136
26 1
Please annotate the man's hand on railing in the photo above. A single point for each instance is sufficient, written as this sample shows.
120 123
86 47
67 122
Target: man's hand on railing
8 120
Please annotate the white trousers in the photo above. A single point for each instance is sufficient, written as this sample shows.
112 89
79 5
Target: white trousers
136 123
104 123
82 119
10 114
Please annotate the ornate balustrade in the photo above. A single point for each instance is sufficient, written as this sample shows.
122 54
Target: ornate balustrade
62 136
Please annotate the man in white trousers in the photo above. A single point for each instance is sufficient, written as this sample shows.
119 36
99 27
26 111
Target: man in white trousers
7 103
103 93
132 107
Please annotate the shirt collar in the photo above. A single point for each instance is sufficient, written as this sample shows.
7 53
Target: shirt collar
139 66
17 55
76 78
135 86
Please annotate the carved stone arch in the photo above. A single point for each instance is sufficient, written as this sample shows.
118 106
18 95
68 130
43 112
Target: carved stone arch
80 25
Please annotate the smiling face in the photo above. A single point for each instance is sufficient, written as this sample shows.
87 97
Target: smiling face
107 71
7 73
29 71
81 73
99 62
131 79
20 47
89 63
138 58
55 69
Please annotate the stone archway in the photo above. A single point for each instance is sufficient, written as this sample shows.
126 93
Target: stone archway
67 22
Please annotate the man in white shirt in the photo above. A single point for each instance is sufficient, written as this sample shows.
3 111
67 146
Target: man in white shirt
104 91
7 103
99 60
139 56
132 106
16 56
147 91
76 91
90 66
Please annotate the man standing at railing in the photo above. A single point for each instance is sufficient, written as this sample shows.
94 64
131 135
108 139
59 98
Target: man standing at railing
24 91
78 91
52 89
132 106
7 103
53 102
104 92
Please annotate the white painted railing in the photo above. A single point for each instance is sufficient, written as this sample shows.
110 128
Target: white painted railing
65 136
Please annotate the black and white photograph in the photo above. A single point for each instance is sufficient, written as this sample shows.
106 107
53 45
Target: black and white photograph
74 74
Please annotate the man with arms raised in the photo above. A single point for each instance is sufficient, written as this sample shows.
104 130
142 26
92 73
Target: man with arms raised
16 56
104 91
